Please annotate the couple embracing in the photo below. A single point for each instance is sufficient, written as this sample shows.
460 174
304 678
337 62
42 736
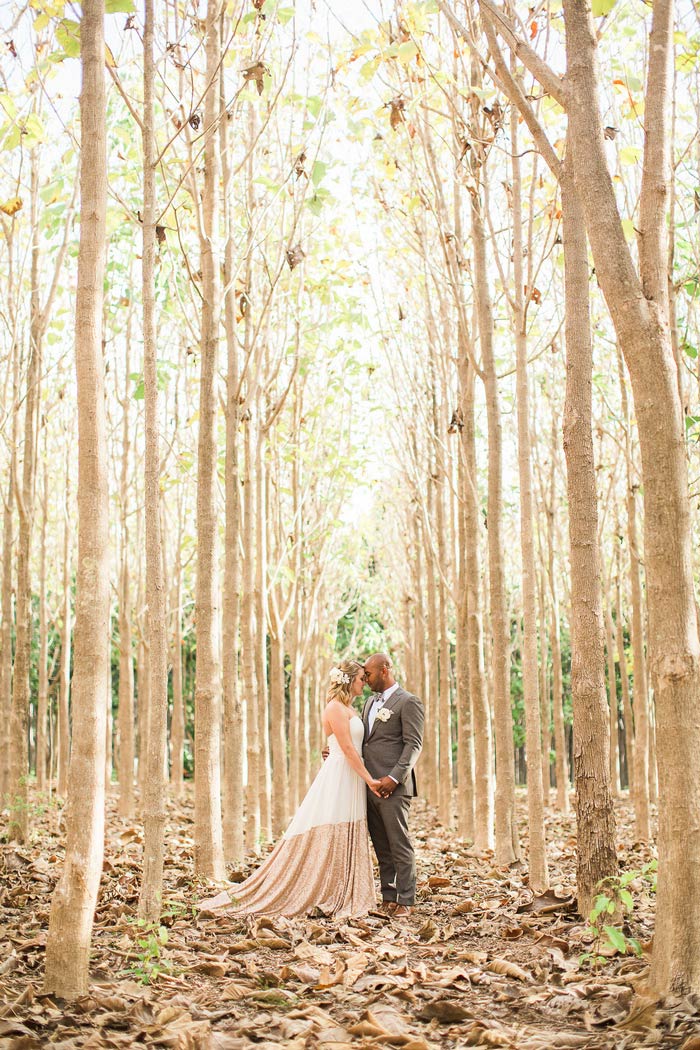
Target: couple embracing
364 785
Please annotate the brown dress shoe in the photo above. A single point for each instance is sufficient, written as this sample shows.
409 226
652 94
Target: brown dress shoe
402 910
388 907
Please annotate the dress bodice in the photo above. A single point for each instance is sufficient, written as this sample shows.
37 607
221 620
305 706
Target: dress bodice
357 735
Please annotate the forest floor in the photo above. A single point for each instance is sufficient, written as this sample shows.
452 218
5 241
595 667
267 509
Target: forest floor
480 962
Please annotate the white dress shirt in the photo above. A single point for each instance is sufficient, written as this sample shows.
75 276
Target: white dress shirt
379 701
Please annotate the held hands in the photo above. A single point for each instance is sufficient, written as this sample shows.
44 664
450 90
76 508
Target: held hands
374 786
385 787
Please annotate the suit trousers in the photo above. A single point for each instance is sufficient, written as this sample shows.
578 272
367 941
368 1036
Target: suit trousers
387 819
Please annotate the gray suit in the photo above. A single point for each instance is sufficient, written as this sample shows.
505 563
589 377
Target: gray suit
392 749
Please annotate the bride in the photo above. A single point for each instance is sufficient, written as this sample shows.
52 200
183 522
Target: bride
322 860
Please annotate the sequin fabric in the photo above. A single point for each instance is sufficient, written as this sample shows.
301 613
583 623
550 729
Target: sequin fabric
323 860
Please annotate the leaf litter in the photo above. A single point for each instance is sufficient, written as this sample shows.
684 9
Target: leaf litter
481 962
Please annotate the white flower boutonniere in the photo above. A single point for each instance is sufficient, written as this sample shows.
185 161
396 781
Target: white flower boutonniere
383 714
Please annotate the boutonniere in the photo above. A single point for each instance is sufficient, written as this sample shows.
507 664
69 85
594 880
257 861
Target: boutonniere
383 714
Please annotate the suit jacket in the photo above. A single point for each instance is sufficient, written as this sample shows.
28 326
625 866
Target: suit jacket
393 746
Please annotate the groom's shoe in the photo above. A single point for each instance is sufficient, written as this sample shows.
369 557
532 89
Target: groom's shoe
388 907
402 911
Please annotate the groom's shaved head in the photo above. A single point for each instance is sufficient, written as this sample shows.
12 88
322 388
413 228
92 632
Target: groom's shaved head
377 660
378 672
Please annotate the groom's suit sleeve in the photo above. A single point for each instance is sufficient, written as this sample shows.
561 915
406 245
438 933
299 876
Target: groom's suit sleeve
412 720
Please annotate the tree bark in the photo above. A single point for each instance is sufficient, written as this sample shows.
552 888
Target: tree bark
596 855
507 840
18 827
153 800
537 852
75 896
209 852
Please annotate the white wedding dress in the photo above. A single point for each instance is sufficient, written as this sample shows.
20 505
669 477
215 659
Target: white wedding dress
323 859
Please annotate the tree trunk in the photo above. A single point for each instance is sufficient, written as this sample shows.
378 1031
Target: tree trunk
6 599
640 696
613 704
465 723
42 711
153 799
209 852
65 661
624 681
507 841
481 715
234 713
537 851
18 827
75 896
596 856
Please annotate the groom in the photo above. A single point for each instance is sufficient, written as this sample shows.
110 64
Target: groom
393 720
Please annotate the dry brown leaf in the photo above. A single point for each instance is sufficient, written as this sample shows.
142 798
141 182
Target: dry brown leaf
643 1014
439 880
508 969
445 1011
464 908
355 966
328 978
429 931
318 955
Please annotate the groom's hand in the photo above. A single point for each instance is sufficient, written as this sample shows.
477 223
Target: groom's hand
386 786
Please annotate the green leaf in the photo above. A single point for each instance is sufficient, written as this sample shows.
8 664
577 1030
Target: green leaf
284 15
628 230
616 938
602 7
68 36
630 154
627 899
318 172
691 351
116 7
407 52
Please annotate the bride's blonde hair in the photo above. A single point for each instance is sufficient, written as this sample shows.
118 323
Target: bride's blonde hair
342 676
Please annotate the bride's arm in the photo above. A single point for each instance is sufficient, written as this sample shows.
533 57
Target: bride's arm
340 724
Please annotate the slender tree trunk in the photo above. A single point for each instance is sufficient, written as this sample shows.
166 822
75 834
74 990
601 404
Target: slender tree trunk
65 661
537 852
483 738
280 797
234 714
264 772
613 704
596 856
75 896
6 599
507 841
153 801
248 643
465 724
545 713
18 828
624 682
42 712
209 851
640 696
177 726
562 766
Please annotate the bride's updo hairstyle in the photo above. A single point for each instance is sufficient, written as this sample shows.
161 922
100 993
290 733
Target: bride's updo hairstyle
341 676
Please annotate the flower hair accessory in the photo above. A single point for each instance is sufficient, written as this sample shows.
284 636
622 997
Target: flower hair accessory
339 677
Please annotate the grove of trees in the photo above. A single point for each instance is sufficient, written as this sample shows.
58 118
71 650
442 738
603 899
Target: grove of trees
328 335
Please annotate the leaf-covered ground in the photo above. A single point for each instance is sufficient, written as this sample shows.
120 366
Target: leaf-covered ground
479 963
